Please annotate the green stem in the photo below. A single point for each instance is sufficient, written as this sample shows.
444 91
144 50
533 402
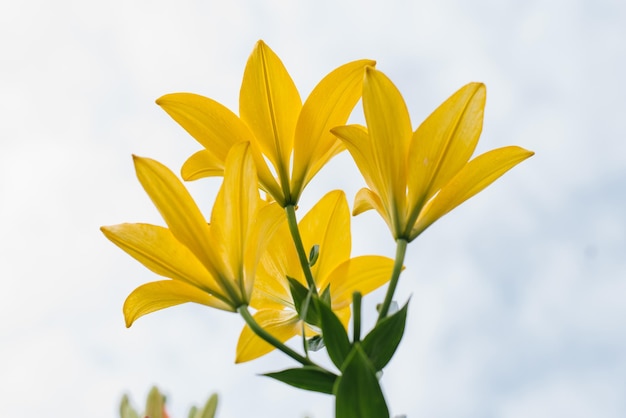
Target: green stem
297 239
356 319
269 338
305 310
401 245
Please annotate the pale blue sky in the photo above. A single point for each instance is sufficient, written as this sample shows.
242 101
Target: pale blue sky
517 305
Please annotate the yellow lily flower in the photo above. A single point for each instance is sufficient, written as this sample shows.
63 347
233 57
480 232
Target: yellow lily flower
294 138
415 178
326 225
210 264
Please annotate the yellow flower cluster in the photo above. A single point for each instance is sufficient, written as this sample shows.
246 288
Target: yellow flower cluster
251 251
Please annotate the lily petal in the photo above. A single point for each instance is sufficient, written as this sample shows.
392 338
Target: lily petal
233 213
474 177
203 163
155 296
210 123
268 220
179 210
156 248
327 224
365 200
360 274
271 288
283 325
390 132
329 105
267 181
269 104
444 142
344 315
357 141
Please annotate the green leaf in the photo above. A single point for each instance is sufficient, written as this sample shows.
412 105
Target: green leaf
358 393
314 255
381 343
334 334
299 293
308 378
325 296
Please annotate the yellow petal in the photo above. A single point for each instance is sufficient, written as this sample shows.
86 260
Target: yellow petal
266 179
205 164
155 296
210 123
444 142
267 220
344 316
474 177
233 213
329 105
269 104
327 224
202 164
360 274
365 200
390 132
271 288
156 248
270 292
359 145
281 324
178 209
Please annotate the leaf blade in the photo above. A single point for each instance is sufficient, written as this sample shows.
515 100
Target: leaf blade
334 334
358 393
307 377
381 342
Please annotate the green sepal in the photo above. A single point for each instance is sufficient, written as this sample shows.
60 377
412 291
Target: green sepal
308 378
357 391
299 293
315 343
325 296
314 255
334 334
381 342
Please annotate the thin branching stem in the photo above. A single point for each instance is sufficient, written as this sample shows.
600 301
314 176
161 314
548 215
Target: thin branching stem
401 245
302 255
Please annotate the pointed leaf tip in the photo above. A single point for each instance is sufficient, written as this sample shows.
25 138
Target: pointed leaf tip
307 378
382 342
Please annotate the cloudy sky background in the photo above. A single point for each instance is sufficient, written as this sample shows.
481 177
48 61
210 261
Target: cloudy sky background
517 305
